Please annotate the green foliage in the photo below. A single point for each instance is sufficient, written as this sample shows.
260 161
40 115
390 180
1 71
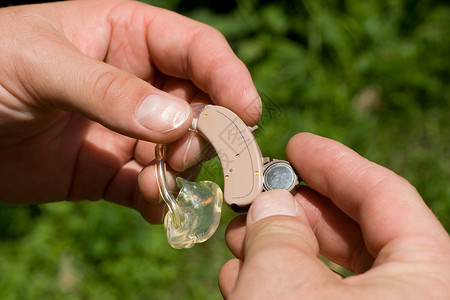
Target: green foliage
103 251
371 74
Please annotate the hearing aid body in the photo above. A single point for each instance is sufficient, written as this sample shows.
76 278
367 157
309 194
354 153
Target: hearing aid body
246 172
238 152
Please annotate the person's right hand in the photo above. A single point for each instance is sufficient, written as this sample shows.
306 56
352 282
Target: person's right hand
355 213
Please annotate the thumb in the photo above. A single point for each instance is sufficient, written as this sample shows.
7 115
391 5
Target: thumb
276 220
117 99
281 250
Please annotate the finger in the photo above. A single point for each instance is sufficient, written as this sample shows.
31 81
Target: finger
178 87
96 166
228 276
60 76
179 47
123 190
144 152
279 242
152 213
385 205
200 53
186 151
235 236
339 237
191 149
148 185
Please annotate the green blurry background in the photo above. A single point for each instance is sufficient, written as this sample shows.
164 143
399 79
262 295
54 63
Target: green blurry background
371 74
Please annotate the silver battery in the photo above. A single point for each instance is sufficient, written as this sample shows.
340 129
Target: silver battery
279 174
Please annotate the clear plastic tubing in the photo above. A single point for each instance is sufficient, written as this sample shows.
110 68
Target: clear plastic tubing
166 194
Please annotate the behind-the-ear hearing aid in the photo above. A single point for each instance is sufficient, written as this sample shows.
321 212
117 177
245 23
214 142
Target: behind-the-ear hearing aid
194 214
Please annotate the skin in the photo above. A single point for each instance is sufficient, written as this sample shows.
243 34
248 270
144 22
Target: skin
355 213
73 77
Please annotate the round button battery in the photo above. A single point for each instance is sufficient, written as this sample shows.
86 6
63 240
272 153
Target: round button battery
279 175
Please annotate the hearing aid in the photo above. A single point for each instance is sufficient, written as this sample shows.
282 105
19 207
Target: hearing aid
194 215
246 172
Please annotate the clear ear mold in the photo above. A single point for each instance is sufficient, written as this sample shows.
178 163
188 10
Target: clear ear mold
194 214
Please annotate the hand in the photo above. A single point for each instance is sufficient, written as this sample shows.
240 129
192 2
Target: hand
87 87
355 213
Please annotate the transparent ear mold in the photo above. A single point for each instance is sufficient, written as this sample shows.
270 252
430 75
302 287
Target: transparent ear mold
194 214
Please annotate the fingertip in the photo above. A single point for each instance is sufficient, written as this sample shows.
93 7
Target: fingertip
188 151
144 152
231 85
253 111
235 236
228 276
245 102
296 141
148 185
249 103
272 203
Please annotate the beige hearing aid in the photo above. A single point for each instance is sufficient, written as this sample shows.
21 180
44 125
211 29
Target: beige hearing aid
194 214
246 173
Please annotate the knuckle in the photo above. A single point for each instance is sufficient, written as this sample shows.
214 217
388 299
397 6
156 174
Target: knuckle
107 85
284 231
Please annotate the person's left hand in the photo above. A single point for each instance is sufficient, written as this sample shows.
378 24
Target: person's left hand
87 86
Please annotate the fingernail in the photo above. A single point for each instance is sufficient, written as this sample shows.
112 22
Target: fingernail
161 113
260 106
193 155
185 164
254 109
273 203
